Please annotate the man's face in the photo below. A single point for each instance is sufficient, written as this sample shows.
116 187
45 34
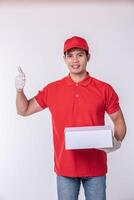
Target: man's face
76 60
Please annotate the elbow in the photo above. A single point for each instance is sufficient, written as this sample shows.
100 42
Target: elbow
124 127
120 131
125 130
23 114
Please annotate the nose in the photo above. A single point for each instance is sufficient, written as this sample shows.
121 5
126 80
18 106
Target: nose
75 59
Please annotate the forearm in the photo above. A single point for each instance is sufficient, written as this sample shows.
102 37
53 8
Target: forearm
24 106
21 102
119 129
119 125
119 134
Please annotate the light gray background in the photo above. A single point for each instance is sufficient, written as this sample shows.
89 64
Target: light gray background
32 35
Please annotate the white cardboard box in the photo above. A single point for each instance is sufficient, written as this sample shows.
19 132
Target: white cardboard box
88 137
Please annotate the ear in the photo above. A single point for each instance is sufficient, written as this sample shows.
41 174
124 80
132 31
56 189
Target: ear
88 57
64 57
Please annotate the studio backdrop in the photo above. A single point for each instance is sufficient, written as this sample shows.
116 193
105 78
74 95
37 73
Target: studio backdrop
32 34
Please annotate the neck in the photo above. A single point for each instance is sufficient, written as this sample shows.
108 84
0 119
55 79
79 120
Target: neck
78 77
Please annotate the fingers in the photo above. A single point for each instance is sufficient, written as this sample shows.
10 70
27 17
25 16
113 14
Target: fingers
20 80
21 73
20 70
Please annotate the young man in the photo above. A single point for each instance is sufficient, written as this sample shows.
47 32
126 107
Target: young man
76 100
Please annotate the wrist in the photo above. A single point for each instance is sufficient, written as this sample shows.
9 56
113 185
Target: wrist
20 90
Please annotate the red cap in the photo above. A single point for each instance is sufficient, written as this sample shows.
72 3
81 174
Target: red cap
75 41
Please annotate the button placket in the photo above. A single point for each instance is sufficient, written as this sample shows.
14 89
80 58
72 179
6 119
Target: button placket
77 90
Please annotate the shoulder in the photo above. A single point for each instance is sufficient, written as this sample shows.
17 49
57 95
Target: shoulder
102 86
57 83
99 83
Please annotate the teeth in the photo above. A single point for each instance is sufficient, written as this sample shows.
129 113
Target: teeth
75 66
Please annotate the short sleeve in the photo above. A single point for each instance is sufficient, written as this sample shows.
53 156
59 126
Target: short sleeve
111 100
41 97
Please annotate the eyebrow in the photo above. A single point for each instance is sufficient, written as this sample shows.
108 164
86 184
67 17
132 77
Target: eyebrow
80 51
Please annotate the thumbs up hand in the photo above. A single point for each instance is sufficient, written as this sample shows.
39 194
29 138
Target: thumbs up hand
20 80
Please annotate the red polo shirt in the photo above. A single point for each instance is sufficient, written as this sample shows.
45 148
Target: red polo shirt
77 104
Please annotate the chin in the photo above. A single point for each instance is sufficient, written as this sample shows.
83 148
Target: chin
77 72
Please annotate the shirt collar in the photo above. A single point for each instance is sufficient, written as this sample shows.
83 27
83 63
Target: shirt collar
83 82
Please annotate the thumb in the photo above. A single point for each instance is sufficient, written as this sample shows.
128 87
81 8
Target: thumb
20 70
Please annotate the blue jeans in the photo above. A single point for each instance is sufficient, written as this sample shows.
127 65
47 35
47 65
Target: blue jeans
94 187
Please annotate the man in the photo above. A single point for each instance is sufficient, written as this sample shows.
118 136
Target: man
76 100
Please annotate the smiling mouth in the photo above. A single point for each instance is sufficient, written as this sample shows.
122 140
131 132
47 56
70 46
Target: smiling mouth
75 66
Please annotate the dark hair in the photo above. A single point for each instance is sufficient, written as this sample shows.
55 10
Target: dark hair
87 53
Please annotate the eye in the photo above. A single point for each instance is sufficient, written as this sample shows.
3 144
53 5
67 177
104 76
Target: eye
80 54
69 55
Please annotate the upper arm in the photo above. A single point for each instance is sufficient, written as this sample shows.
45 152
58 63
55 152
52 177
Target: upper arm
117 117
33 107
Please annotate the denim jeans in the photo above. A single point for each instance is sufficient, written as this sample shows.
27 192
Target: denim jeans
94 187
